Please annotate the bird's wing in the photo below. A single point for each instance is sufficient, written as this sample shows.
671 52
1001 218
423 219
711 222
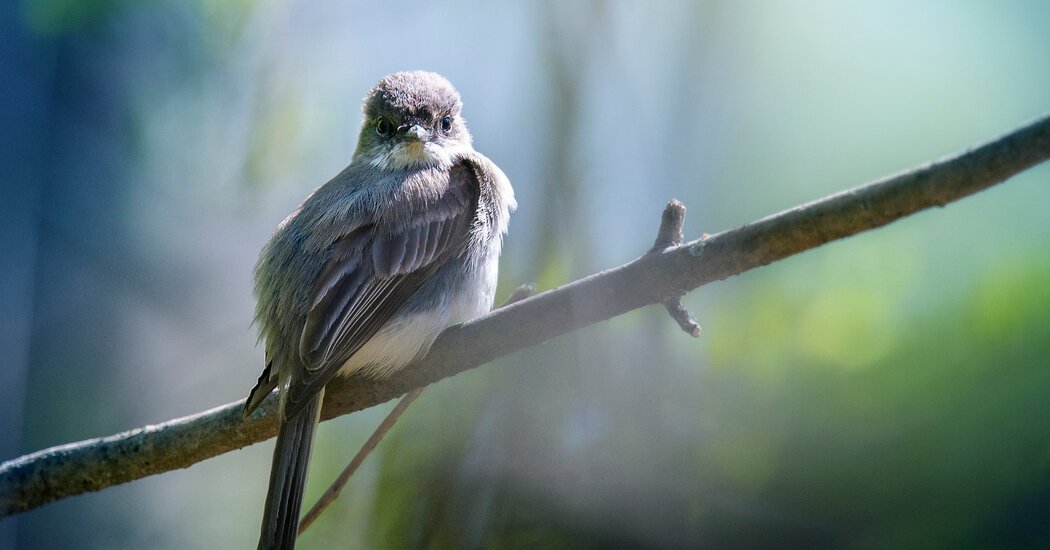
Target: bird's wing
371 273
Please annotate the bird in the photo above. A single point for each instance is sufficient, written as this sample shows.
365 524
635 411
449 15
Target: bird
362 277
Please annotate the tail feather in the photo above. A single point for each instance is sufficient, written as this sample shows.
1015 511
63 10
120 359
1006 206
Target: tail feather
262 389
291 457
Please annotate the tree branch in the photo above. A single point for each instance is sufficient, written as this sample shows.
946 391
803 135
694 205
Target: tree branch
655 277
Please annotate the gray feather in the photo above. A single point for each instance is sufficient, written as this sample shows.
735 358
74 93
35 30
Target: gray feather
382 258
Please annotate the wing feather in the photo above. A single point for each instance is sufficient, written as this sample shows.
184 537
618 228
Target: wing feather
371 274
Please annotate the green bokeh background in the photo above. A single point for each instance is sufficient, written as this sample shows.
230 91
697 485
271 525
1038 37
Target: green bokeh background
887 391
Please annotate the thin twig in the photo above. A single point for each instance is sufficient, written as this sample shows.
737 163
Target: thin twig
681 315
336 487
330 494
672 226
519 294
51 474
671 233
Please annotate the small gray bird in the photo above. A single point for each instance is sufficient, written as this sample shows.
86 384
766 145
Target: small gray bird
373 265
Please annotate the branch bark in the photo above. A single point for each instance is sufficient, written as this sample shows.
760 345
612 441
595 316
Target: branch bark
656 277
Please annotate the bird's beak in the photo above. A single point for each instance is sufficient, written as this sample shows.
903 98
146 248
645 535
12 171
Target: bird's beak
416 132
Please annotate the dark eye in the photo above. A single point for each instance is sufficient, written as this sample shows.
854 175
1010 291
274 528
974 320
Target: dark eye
384 127
446 123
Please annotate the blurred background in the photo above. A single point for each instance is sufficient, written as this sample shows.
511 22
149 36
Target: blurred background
887 391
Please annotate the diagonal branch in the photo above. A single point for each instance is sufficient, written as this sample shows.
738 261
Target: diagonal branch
58 472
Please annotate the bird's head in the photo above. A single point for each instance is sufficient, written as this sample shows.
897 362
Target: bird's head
411 119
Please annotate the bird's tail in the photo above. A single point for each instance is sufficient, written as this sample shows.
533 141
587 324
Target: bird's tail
291 456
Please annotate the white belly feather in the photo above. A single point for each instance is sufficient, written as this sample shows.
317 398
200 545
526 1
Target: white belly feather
408 337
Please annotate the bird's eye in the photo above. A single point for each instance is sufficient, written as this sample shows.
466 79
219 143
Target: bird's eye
446 123
384 127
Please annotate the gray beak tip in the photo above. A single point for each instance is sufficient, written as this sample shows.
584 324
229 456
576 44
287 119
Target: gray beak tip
417 133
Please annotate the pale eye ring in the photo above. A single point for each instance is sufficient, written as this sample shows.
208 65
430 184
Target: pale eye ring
446 123
384 127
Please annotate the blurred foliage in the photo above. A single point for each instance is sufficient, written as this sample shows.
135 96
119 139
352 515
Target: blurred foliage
789 445
54 17
57 17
